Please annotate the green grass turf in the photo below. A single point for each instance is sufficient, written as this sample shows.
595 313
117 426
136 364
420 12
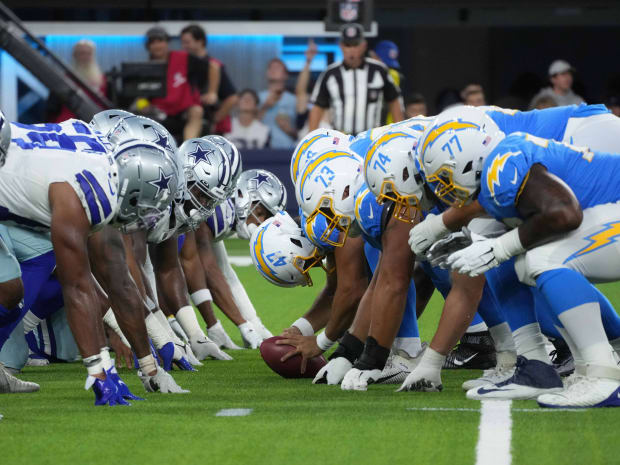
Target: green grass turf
292 421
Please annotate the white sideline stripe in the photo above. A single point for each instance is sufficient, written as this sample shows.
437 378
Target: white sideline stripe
234 412
240 260
495 433
529 410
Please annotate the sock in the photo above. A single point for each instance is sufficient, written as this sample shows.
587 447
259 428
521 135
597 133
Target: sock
578 359
147 364
530 343
30 321
411 345
157 334
110 319
477 328
163 321
575 302
611 320
188 321
502 338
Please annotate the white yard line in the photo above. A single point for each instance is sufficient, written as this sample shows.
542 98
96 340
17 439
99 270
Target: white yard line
528 410
495 433
234 412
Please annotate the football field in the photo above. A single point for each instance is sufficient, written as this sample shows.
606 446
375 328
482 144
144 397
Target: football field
240 412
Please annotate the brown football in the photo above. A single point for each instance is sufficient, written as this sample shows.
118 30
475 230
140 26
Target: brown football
272 353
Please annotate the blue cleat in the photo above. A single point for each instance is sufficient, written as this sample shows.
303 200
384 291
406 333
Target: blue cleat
184 365
122 388
167 354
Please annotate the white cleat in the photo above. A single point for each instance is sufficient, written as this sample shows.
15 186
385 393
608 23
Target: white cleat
218 334
11 384
37 362
587 391
162 382
530 379
496 375
398 366
204 347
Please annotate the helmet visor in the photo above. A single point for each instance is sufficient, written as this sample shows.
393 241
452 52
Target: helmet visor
443 186
334 222
406 207
303 264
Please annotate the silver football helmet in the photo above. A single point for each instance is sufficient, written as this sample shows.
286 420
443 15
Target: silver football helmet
208 180
147 185
107 119
254 187
230 150
5 138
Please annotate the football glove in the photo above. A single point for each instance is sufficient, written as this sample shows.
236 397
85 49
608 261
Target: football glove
162 382
423 378
358 380
205 347
333 372
249 334
218 334
443 248
424 234
476 259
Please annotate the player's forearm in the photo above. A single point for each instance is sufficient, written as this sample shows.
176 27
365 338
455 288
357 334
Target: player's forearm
319 313
171 284
344 306
222 295
456 218
388 305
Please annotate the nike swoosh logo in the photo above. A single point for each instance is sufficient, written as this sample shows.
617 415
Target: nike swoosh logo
460 363
514 181
371 215
110 187
483 391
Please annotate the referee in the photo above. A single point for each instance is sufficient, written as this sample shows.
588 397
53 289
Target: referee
356 89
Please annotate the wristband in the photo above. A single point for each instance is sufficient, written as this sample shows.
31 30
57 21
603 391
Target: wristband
150 304
304 326
508 245
201 296
324 342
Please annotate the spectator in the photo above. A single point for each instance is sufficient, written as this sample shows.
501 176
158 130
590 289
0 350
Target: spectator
415 105
277 108
613 103
303 96
85 66
246 129
338 88
387 52
181 105
218 94
544 101
561 89
473 94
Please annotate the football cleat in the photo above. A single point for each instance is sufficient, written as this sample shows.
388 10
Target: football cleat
530 379
11 384
204 347
359 380
106 392
496 375
166 354
35 360
599 388
162 382
121 388
218 334
399 365
562 358
474 351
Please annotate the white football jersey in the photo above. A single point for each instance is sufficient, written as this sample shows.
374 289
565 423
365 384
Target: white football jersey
42 154
222 222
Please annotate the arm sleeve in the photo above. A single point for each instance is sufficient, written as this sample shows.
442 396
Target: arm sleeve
320 94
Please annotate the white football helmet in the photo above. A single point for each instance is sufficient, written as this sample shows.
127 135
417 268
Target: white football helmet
208 178
452 151
107 119
327 188
312 144
282 254
5 138
391 172
254 187
230 150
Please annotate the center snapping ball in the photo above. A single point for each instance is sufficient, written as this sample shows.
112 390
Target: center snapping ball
272 353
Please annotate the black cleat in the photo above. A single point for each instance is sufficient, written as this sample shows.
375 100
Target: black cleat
475 351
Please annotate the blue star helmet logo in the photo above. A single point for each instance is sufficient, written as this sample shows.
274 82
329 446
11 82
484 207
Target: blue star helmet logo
200 154
162 140
260 178
163 183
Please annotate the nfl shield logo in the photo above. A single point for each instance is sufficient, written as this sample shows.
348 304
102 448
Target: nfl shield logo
349 11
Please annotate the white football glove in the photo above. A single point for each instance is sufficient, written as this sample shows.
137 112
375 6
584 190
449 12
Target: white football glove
205 347
333 372
184 350
476 259
218 334
358 380
443 248
249 334
162 382
423 378
424 234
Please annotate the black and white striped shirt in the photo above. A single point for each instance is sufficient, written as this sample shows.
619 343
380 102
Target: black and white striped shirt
355 95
